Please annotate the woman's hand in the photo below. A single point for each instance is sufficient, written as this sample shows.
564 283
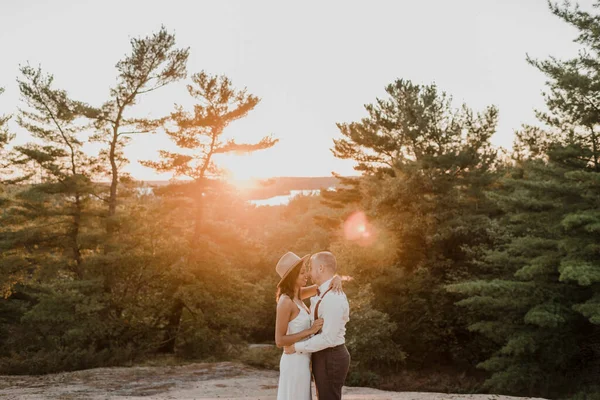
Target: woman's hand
317 325
336 284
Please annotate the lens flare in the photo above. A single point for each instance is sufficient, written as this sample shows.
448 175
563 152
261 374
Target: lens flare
357 228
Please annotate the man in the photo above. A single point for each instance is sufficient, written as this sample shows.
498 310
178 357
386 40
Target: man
330 358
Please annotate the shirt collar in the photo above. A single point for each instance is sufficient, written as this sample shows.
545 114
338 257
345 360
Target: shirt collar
324 286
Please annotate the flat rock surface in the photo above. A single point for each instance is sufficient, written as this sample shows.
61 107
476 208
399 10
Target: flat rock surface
183 382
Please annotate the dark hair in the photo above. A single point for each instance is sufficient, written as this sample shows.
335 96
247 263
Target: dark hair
288 285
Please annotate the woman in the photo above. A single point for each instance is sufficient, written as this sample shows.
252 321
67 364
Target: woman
294 323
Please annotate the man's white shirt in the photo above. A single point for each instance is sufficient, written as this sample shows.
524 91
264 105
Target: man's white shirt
335 310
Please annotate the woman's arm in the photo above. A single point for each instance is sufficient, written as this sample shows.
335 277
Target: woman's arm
310 291
285 308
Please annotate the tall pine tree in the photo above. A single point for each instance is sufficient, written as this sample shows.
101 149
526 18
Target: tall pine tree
48 233
154 62
59 202
425 168
199 135
543 309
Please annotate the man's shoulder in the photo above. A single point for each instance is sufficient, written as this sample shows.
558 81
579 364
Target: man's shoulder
335 297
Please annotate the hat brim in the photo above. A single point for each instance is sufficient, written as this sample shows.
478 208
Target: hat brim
289 271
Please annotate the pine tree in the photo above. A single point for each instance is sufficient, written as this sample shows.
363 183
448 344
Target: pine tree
48 233
542 309
425 168
59 203
154 62
540 275
200 134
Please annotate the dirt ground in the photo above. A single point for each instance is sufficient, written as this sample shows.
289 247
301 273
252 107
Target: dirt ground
184 382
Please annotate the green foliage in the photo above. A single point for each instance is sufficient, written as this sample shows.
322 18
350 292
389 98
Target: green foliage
362 378
465 261
81 286
540 304
153 63
370 335
417 124
47 228
201 132
219 104
64 327
427 167
545 304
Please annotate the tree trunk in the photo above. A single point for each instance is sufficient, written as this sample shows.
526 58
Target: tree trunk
75 237
172 329
595 151
112 201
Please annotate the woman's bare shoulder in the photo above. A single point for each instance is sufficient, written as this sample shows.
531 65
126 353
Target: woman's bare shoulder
284 303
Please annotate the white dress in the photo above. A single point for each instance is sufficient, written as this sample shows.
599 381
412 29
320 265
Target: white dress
294 369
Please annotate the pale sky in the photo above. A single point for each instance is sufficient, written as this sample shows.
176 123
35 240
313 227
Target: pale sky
313 63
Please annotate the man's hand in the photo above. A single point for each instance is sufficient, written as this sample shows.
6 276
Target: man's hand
289 349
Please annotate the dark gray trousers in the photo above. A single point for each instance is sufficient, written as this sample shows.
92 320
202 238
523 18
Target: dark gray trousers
329 368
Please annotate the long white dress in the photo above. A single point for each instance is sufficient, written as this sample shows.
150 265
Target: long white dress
294 369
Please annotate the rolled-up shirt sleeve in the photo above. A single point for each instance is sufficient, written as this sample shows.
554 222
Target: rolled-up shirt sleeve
333 312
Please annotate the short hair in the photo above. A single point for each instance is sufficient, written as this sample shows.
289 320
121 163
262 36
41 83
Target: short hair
325 258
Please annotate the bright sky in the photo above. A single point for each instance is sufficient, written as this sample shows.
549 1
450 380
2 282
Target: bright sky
313 63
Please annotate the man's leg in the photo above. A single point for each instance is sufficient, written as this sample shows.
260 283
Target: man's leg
335 362
319 370
337 367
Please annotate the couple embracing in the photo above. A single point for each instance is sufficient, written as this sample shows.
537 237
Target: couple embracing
313 339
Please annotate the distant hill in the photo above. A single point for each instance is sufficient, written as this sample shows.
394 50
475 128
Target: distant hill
264 189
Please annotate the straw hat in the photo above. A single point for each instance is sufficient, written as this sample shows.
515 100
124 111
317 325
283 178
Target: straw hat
287 263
